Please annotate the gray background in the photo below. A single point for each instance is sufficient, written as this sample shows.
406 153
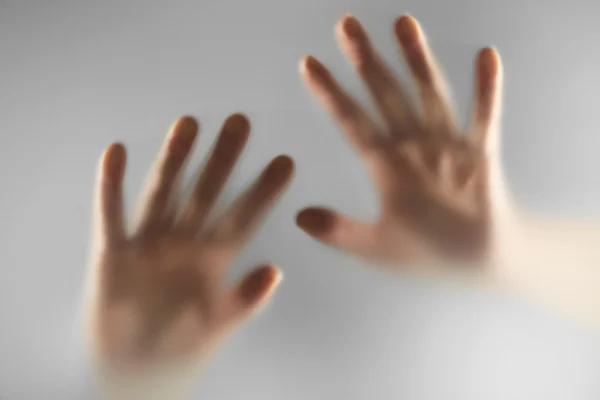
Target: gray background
76 75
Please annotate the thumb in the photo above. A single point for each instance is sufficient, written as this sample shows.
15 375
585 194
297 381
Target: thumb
341 232
253 291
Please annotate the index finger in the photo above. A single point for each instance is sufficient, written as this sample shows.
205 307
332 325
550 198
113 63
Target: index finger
242 218
362 132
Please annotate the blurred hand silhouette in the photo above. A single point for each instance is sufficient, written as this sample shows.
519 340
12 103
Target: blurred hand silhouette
158 292
436 184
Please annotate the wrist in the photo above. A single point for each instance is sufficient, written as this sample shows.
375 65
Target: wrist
555 264
172 382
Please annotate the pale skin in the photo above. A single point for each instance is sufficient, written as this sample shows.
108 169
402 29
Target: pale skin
158 293
432 179
443 199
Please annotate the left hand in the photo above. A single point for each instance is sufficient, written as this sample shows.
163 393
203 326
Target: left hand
159 294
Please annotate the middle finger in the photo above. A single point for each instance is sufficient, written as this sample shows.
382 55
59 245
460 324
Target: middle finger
385 89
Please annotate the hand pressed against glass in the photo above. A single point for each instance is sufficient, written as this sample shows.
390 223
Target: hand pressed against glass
158 292
432 180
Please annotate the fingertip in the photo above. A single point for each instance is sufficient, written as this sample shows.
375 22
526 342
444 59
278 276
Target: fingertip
303 65
491 51
284 161
315 221
344 17
489 60
238 122
113 161
407 20
115 150
274 273
260 283
310 67
407 29
186 123
281 168
182 134
234 134
348 26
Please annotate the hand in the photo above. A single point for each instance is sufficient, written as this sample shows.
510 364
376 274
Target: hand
436 185
158 293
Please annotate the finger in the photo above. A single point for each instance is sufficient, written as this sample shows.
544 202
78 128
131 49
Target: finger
251 293
438 116
225 154
362 132
488 99
109 223
385 89
156 210
238 223
340 232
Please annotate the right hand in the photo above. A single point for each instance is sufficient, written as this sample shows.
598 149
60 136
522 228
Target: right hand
437 186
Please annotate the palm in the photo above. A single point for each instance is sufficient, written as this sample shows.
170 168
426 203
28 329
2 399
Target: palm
159 292
432 179
434 195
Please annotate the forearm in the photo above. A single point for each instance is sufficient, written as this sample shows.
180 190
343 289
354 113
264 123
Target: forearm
557 264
